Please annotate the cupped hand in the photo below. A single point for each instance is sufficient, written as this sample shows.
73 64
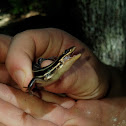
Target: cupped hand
18 108
86 79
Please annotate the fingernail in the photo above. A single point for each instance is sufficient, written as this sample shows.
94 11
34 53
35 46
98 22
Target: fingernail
19 76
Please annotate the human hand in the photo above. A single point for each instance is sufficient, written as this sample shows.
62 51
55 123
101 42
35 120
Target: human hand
86 79
20 108
110 109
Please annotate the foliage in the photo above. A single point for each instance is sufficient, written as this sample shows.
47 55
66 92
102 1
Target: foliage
18 7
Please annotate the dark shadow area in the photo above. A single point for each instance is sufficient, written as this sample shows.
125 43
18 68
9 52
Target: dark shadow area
65 23
60 14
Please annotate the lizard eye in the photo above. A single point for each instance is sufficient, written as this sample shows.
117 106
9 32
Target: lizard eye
66 51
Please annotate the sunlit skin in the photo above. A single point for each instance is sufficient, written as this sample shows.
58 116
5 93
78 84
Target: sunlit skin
87 79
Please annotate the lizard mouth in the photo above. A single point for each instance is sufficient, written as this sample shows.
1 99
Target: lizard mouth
70 54
68 57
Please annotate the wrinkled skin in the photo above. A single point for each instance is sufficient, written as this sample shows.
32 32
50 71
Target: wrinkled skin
46 43
87 79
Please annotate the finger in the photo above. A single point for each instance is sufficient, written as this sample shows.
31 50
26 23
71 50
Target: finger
53 98
4 45
4 75
32 105
23 100
12 116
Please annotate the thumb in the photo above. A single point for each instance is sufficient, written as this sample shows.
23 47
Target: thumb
19 60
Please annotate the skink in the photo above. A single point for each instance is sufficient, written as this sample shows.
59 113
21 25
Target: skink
51 73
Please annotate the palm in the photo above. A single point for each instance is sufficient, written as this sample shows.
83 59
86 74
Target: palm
53 110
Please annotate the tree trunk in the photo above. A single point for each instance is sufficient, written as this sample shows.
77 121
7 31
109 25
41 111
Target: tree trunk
103 24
